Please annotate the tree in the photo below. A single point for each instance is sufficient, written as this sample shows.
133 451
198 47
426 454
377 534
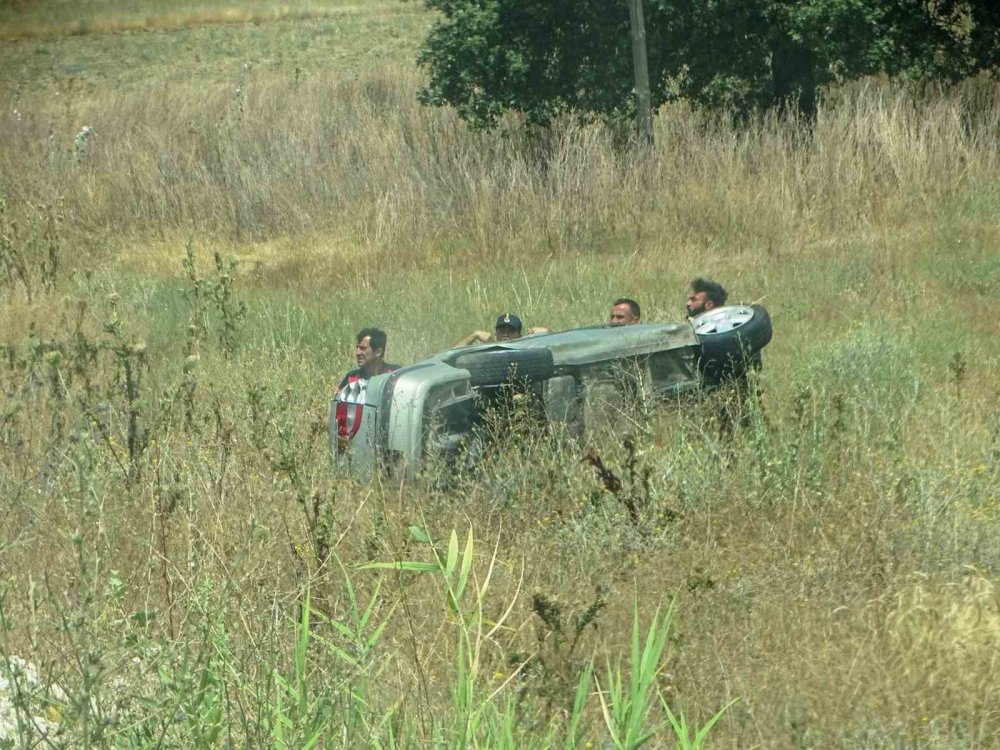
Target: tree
546 57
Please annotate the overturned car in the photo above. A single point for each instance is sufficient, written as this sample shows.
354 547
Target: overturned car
570 379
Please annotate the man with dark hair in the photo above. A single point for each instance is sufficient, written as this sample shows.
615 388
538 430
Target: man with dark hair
705 295
369 353
733 394
507 328
624 312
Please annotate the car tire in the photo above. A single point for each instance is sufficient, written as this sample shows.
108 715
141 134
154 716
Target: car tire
500 366
731 339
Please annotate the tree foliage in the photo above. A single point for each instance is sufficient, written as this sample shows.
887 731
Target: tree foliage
545 57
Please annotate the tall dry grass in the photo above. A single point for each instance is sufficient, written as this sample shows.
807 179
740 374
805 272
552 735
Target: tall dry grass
359 162
169 498
831 567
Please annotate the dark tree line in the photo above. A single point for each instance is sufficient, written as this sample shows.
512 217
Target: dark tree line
547 57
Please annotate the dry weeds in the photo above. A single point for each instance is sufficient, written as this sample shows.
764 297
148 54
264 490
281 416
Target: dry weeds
833 568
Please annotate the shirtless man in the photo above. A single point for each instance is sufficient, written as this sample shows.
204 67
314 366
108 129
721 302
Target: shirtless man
507 328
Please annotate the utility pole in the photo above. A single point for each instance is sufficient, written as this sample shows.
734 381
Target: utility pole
644 112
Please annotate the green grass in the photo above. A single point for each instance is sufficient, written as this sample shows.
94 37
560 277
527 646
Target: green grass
181 558
48 20
342 42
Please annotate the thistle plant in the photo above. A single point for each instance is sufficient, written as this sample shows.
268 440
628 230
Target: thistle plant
13 263
132 360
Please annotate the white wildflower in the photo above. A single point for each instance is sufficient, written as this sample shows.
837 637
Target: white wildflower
80 142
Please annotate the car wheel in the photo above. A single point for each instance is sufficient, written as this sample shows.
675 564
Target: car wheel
499 366
730 338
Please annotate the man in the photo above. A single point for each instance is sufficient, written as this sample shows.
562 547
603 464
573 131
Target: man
369 353
705 295
507 328
625 312
708 295
734 395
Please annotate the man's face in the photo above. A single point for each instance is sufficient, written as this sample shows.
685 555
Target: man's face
506 333
367 357
621 315
698 302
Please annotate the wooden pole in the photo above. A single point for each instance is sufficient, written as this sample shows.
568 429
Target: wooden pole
644 112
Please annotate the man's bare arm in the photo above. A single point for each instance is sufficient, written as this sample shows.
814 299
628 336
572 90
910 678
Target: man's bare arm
476 337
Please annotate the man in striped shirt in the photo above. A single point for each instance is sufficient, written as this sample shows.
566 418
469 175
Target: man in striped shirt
369 353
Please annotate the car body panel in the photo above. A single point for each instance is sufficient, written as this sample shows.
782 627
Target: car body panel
581 346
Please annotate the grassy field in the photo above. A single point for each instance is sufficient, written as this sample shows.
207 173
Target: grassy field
179 292
27 19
